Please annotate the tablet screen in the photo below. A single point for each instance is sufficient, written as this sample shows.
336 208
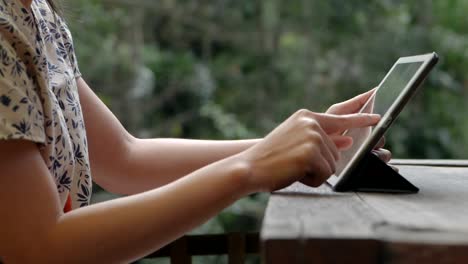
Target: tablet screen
385 95
393 85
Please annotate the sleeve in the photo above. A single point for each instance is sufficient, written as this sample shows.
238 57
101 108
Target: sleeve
70 47
73 60
21 113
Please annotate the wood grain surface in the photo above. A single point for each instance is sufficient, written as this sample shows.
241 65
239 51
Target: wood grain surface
305 225
431 162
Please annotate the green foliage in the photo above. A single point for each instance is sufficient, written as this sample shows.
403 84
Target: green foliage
235 69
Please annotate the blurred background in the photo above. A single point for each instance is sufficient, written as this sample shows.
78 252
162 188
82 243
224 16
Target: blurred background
232 69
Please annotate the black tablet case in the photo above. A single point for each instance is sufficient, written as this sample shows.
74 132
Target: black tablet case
374 175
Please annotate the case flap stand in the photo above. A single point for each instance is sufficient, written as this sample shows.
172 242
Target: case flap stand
374 175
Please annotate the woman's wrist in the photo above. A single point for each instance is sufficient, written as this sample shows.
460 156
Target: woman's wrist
240 172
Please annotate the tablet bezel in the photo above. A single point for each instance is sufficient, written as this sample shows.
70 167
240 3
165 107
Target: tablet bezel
342 182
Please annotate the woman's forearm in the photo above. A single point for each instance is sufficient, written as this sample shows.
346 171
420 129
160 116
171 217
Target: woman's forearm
128 228
126 165
152 163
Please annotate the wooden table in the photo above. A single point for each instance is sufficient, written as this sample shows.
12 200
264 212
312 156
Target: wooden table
317 225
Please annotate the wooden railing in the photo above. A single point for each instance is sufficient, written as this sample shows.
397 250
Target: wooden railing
235 245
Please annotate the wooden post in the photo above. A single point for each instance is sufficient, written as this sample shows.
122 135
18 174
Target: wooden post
179 252
236 248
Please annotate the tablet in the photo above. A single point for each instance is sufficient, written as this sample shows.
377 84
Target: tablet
389 98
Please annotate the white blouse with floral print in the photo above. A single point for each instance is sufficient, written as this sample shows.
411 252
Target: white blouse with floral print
39 97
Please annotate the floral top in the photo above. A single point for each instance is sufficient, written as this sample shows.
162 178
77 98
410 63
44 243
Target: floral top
39 97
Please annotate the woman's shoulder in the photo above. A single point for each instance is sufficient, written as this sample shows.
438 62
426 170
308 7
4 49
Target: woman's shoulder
20 104
16 23
13 12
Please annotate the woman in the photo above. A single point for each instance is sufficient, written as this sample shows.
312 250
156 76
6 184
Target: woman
50 118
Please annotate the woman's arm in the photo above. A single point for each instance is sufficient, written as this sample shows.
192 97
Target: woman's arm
124 164
33 229
155 162
127 165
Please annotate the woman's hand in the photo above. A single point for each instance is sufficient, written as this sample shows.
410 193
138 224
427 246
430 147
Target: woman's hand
354 105
300 149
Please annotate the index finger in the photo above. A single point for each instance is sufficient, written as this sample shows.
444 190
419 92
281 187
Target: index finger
338 123
352 105
358 120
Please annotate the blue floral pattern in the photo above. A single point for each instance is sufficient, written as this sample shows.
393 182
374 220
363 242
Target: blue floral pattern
38 94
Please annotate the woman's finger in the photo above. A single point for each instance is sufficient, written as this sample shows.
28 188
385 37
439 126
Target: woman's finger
352 105
325 138
329 150
319 173
342 142
335 123
383 154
